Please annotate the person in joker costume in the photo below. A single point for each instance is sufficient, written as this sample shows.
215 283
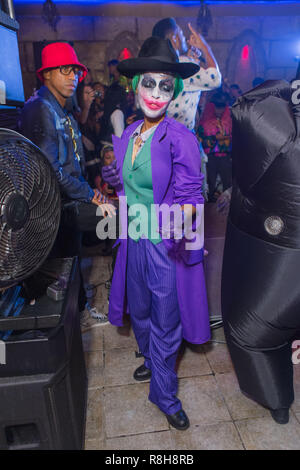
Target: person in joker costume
157 277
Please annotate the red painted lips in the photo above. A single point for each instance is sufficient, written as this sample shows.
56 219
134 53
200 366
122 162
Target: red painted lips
154 105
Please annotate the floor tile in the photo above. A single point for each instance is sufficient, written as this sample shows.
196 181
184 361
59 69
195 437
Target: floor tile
218 357
265 434
94 444
192 362
95 369
296 404
239 406
221 436
93 339
128 411
202 400
298 417
149 441
94 419
100 300
96 269
120 365
119 337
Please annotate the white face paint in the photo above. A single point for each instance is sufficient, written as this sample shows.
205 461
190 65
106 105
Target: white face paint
155 92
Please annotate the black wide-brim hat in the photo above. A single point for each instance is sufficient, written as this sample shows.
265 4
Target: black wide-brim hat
157 55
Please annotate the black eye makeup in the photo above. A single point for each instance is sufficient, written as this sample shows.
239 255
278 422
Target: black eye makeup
148 82
166 85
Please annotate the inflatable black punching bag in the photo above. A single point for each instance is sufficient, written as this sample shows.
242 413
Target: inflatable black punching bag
260 277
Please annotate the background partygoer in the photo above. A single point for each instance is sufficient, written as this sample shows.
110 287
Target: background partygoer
215 133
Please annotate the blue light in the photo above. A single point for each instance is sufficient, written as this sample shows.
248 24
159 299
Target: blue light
177 2
103 2
99 2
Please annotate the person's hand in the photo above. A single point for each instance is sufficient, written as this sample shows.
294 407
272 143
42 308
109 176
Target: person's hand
223 202
108 210
194 53
196 39
110 174
88 98
98 198
173 229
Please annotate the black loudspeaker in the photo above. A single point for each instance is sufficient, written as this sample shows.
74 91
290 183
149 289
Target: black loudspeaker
43 383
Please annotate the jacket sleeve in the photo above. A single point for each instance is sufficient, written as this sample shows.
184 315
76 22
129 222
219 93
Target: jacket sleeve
188 178
187 187
38 125
204 80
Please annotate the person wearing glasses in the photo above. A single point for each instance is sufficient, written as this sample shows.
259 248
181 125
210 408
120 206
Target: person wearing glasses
46 121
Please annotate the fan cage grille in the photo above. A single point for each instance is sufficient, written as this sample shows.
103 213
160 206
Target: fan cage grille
26 171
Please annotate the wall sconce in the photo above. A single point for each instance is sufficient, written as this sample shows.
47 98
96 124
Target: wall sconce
204 19
50 14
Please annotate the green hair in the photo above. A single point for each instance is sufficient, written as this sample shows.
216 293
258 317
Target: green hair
178 86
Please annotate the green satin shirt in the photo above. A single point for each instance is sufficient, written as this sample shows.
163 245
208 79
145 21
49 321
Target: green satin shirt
142 218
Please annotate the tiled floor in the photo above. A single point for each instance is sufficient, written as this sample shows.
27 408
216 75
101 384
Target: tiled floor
120 417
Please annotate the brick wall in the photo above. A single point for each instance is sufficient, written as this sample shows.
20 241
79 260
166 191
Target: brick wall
94 35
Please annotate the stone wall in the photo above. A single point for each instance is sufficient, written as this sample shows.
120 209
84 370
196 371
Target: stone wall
93 36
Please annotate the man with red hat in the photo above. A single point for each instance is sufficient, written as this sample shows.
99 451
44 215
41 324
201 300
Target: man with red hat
51 127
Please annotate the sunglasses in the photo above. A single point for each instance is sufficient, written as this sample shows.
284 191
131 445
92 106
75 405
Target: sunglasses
67 69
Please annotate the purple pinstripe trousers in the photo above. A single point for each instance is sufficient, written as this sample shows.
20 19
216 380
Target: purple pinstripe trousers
155 317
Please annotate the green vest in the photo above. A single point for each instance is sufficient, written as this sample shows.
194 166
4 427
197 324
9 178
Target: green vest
139 190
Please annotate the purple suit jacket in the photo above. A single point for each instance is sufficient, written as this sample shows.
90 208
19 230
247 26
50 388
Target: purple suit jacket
177 179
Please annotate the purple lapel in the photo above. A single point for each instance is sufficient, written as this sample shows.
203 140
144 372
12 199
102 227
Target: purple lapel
161 162
120 147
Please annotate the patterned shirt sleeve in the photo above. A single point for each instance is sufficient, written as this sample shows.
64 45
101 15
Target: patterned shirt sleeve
203 80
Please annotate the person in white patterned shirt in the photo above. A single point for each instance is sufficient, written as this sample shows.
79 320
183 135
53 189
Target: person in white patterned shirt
196 49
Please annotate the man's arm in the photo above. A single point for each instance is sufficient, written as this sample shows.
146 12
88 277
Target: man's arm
38 124
117 120
209 76
197 40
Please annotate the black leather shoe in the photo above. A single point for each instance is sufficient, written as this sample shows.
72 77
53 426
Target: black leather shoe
142 373
281 416
179 420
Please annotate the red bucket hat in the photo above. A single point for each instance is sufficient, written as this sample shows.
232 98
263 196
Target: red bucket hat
57 54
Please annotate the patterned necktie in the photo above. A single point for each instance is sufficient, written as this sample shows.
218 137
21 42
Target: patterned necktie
136 146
